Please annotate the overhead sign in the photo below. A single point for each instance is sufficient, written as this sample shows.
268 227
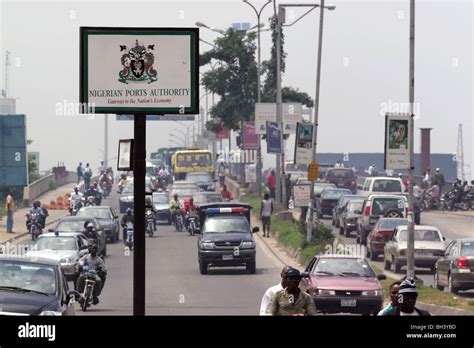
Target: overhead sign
304 143
397 149
13 156
313 171
157 117
139 70
273 138
267 112
250 138
250 173
301 195
125 155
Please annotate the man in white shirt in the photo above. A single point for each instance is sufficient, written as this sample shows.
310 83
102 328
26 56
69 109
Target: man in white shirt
273 290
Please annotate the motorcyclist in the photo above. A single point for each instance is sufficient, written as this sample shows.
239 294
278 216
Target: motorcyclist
76 197
123 181
90 232
226 194
94 262
190 209
36 209
105 181
128 217
175 207
433 192
94 192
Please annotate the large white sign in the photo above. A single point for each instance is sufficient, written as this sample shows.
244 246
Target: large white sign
140 70
397 149
267 112
301 195
250 173
304 143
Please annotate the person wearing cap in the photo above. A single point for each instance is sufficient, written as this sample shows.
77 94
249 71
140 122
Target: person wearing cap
90 232
291 300
407 295
394 287
273 290
94 262
438 179
128 217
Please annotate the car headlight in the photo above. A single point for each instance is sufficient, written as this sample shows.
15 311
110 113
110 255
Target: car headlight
372 293
248 245
66 260
50 313
207 245
326 292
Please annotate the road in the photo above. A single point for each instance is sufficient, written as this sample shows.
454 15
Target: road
451 226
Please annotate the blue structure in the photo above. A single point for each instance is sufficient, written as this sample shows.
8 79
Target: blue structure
13 156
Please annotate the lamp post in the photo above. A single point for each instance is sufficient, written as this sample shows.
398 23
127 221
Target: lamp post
259 150
183 141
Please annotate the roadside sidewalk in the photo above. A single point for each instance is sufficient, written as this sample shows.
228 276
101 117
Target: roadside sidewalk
19 217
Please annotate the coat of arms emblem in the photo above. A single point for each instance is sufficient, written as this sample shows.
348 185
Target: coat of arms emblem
138 64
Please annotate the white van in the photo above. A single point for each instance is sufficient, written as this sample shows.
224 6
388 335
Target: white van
382 185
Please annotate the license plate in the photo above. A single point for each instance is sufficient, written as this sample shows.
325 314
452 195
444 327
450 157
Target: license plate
348 303
129 233
227 257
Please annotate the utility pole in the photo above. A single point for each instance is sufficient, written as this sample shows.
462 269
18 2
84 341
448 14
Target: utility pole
106 140
460 174
278 16
411 223
7 64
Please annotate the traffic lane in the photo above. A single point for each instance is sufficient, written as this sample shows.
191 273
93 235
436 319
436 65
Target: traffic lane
424 274
451 226
174 285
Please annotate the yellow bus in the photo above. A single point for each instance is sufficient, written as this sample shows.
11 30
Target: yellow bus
192 160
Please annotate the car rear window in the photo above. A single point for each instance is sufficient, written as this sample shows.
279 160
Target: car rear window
333 194
421 235
353 206
71 226
381 205
55 243
392 223
467 249
344 267
226 225
340 174
95 212
382 185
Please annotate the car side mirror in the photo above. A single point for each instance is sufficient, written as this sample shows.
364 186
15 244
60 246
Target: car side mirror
51 230
381 277
305 275
255 229
444 239
73 293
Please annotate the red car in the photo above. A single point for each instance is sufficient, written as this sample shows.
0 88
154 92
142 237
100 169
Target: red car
343 284
380 234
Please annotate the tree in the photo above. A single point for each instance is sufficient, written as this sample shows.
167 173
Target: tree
234 79
32 167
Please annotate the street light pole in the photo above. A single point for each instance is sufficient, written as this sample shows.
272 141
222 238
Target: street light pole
411 223
278 102
106 140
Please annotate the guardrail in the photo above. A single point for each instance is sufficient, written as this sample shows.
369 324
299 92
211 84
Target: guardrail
45 184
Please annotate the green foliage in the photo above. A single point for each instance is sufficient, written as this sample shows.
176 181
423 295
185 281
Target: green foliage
52 185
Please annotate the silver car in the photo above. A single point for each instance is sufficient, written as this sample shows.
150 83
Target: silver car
65 247
429 247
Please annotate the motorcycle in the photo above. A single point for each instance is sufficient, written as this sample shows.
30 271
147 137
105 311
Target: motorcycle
179 224
423 202
35 227
106 189
90 282
74 206
448 201
192 224
150 222
129 240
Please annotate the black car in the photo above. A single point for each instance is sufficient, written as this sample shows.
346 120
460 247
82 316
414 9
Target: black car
342 178
161 207
328 200
337 210
76 224
107 218
226 237
203 180
349 215
33 286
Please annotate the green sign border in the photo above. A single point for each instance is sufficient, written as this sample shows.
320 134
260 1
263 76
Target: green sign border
193 33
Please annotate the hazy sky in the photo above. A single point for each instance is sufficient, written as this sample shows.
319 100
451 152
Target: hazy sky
365 65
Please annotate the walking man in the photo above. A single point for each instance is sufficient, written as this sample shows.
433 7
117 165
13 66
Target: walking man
438 179
10 207
266 209
87 176
80 174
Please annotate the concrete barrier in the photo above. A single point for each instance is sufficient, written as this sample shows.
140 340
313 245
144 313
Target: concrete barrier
45 184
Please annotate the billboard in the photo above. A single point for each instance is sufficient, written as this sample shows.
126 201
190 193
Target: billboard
304 143
273 138
267 112
139 70
250 138
157 117
13 156
397 149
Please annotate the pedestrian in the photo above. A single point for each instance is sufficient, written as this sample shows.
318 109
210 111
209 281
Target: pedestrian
221 173
273 290
10 208
87 176
271 183
407 295
427 179
266 211
102 167
291 300
394 287
80 174
438 179
416 212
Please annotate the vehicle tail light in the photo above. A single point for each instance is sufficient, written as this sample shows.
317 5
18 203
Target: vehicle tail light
463 262
402 252
367 211
379 236
353 184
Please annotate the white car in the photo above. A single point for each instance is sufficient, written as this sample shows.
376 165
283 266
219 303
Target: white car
429 247
65 248
382 185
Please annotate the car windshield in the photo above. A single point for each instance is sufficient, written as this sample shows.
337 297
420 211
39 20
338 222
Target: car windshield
382 185
344 267
390 224
208 198
71 226
333 194
353 206
381 205
318 188
55 243
25 275
160 199
94 212
340 174
292 167
226 225
199 177
467 249
186 191
421 235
